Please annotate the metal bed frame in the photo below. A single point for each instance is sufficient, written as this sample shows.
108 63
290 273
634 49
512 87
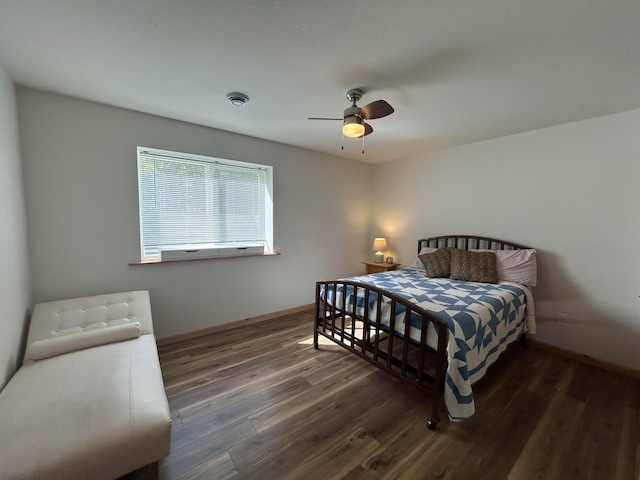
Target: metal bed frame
392 351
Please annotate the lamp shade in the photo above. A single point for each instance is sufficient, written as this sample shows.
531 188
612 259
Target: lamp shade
379 245
353 127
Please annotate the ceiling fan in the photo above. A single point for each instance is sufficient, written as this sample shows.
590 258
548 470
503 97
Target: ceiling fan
353 120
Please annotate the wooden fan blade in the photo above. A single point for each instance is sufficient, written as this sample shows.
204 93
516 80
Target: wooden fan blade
377 109
319 118
367 130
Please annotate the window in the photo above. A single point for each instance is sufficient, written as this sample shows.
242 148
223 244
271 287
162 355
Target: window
193 206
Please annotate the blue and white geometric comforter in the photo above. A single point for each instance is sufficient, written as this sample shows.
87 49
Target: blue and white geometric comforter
482 319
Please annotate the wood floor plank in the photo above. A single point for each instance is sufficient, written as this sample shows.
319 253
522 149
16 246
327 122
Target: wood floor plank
209 445
227 391
344 453
317 394
195 361
189 369
298 434
169 358
544 454
220 467
358 473
215 415
584 381
406 456
556 370
637 429
626 466
216 383
214 340
260 402
601 421
393 457
342 365
484 446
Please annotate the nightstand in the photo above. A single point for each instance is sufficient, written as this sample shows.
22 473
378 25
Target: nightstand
373 267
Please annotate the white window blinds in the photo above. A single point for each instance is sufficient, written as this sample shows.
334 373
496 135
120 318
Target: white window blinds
192 204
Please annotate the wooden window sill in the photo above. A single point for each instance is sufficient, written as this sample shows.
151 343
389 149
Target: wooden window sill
218 257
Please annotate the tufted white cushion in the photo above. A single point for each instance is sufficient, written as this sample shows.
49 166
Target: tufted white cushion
88 322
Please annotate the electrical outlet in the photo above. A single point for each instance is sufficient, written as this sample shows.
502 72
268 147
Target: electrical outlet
561 318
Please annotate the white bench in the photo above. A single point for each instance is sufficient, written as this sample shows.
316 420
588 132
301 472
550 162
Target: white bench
89 400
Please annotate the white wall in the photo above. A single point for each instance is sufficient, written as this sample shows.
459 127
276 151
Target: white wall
569 191
15 289
572 192
81 187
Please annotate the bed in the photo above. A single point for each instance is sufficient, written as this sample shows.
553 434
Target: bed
438 333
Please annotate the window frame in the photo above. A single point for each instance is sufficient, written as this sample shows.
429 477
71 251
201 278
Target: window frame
208 250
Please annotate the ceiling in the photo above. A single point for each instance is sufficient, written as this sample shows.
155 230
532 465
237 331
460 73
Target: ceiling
455 71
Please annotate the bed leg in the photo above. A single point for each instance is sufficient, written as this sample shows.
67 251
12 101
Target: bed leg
523 338
316 315
435 415
435 412
315 336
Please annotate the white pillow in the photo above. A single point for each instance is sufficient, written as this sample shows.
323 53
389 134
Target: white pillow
416 261
52 347
517 266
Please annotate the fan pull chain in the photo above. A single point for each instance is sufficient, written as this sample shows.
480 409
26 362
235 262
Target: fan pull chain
363 144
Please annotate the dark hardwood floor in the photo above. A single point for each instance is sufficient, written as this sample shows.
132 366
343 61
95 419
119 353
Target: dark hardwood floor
258 402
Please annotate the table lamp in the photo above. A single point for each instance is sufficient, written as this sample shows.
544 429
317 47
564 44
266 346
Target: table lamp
379 246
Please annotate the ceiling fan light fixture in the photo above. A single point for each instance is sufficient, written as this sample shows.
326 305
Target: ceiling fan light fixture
353 127
355 119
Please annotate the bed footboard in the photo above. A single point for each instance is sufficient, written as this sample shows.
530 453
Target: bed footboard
387 331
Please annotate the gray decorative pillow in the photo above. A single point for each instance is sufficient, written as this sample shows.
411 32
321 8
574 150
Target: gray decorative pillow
437 264
473 266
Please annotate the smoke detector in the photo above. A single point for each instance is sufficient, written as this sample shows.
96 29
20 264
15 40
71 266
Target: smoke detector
237 99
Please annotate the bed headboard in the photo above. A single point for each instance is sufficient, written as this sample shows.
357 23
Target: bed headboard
467 242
